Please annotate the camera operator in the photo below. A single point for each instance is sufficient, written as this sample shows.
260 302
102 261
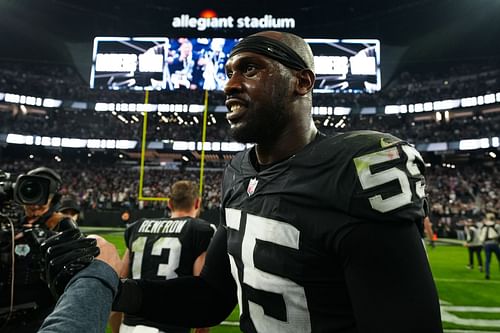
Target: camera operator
26 299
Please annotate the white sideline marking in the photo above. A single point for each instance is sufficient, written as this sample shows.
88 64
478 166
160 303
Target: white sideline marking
449 317
235 323
466 331
453 308
468 281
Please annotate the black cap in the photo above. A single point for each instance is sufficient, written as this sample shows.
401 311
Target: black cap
69 204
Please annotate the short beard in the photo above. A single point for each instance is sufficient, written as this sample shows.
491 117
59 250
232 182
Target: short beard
265 127
262 131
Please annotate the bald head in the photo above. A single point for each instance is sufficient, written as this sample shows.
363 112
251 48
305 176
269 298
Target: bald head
298 44
288 49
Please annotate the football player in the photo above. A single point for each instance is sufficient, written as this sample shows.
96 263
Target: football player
318 233
165 248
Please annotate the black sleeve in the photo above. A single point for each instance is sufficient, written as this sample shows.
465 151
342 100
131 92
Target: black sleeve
202 237
186 301
389 279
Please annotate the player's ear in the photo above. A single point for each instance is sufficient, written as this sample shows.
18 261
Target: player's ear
170 205
197 203
305 81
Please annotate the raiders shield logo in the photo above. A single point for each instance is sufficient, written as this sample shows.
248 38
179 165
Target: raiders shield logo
251 186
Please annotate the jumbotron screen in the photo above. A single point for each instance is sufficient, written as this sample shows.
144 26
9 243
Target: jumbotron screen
161 63
351 65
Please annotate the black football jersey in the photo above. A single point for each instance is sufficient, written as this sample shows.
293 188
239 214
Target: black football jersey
165 248
285 224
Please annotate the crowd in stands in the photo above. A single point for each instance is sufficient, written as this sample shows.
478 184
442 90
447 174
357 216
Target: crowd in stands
410 85
114 186
458 194
429 130
414 85
455 194
87 124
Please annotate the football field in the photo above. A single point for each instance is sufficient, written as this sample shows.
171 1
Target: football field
469 302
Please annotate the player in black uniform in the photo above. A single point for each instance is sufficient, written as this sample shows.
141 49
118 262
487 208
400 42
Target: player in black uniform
319 234
160 249
26 302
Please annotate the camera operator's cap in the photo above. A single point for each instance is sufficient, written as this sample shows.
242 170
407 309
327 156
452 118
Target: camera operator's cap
69 204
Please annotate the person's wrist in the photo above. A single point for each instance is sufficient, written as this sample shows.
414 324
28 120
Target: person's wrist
114 266
129 297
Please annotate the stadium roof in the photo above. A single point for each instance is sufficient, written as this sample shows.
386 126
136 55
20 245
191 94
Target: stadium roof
424 31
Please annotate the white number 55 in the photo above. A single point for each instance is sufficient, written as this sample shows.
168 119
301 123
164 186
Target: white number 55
368 179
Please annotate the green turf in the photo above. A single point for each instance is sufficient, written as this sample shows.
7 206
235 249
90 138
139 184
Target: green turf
460 286
457 286
477 315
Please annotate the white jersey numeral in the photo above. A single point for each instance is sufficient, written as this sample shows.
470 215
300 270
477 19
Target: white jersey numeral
294 297
368 179
166 270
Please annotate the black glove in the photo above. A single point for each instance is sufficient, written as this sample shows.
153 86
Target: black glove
65 254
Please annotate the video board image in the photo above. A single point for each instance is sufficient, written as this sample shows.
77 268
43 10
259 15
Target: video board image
162 63
351 65
159 63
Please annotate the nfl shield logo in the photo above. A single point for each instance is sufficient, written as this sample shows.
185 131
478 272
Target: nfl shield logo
251 186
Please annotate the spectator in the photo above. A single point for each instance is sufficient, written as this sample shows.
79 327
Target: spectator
473 244
490 232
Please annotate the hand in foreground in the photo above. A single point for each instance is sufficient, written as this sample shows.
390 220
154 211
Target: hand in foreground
65 254
108 253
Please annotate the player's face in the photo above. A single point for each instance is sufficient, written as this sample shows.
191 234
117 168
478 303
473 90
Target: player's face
257 94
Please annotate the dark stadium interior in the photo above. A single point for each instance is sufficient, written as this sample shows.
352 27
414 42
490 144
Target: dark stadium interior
430 51
114 96
414 33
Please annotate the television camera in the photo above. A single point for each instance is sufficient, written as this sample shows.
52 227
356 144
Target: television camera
29 189
25 190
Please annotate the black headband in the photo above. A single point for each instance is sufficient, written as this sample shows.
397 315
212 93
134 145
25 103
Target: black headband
271 48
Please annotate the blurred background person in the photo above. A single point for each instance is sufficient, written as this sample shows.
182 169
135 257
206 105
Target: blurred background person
165 248
473 244
429 233
70 208
490 231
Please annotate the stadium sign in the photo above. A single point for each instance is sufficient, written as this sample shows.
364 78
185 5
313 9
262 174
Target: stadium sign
202 23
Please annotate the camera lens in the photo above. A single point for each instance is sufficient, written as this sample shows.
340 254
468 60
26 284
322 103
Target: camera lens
30 191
